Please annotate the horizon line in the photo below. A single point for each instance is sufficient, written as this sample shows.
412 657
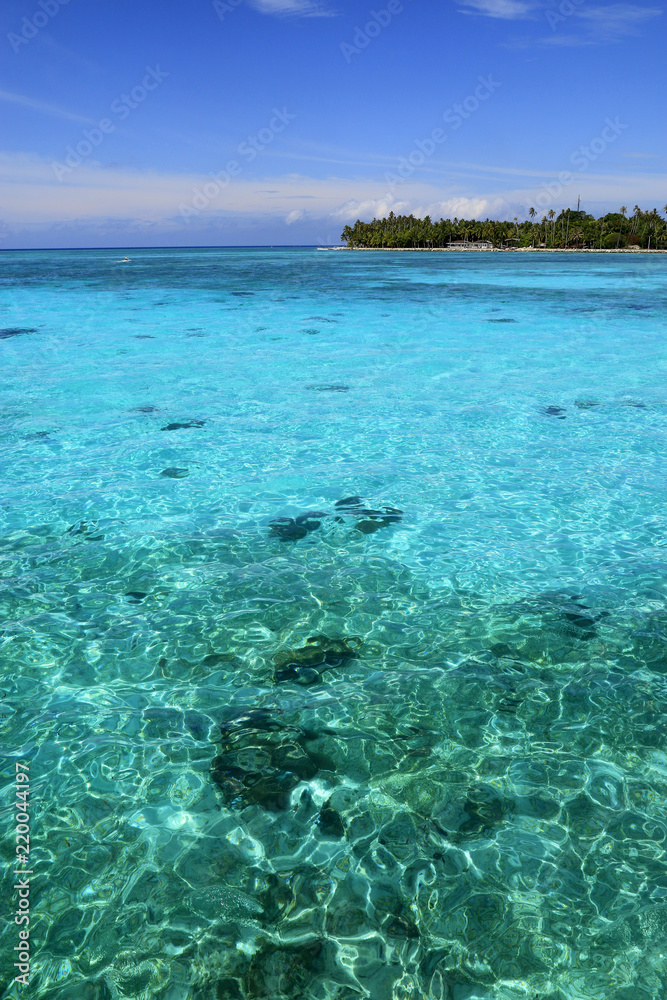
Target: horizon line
213 246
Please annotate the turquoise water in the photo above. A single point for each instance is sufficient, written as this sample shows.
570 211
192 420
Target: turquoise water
410 747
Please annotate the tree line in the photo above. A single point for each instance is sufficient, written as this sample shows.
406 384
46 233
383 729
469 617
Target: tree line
569 230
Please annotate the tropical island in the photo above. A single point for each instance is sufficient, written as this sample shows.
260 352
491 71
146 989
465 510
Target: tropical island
570 230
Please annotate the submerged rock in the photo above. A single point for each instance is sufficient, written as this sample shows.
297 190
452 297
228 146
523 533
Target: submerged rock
581 619
329 822
368 527
287 529
551 624
212 659
311 520
260 720
349 502
305 665
173 472
370 520
289 971
262 761
15 331
481 810
290 529
329 388
85 528
554 411
137 596
80 528
182 426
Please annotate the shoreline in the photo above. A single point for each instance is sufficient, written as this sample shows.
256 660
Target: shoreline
634 250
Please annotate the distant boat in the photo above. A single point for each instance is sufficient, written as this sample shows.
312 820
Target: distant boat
125 260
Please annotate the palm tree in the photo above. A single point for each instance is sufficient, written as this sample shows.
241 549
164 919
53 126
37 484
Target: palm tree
623 211
653 222
532 213
552 216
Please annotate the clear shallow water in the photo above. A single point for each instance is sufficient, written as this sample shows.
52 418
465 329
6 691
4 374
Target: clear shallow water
457 790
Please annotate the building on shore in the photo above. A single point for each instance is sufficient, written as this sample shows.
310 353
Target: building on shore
469 245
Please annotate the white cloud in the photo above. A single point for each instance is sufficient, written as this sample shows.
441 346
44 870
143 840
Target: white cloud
588 25
467 208
615 21
506 10
44 109
291 8
618 12
109 201
600 24
353 209
30 193
459 206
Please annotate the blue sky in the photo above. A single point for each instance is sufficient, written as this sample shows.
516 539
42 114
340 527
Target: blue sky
279 121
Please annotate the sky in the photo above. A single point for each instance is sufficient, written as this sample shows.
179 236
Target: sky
275 122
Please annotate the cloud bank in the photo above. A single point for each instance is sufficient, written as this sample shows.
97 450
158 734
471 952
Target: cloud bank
108 206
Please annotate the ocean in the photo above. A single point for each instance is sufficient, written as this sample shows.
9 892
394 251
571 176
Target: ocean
334 624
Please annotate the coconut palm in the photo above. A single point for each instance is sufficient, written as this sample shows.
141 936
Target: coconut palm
532 213
623 211
652 224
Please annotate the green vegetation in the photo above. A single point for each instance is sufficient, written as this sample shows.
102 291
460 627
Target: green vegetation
571 229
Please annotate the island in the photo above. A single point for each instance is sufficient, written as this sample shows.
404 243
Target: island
569 230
